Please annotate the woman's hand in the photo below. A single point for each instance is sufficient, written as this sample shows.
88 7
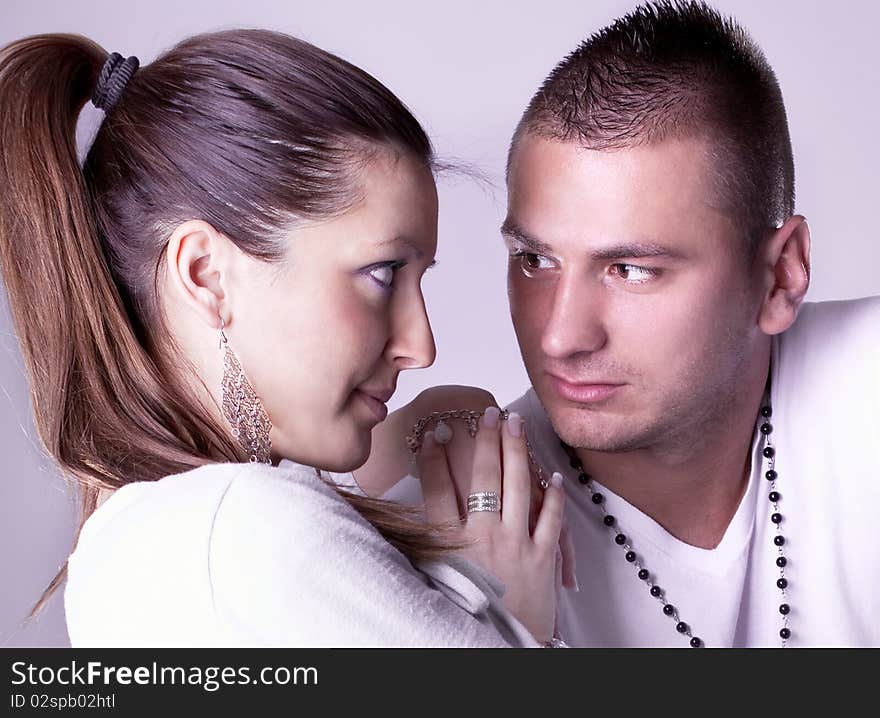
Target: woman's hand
390 459
501 541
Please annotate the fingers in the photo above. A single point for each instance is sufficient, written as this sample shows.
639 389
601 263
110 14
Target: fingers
549 523
486 474
460 459
566 542
569 567
537 498
517 478
441 502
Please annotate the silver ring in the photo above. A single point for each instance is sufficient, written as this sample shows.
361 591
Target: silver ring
483 501
494 508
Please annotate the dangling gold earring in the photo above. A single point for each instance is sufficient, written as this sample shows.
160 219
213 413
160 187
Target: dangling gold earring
242 407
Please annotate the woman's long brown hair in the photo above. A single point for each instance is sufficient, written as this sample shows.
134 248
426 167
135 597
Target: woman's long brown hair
246 129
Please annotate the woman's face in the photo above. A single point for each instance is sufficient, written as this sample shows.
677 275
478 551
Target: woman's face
323 335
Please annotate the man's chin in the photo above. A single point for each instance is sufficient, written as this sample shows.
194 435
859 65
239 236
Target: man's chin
595 430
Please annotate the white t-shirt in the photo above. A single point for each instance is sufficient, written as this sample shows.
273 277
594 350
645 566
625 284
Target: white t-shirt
825 394
257 555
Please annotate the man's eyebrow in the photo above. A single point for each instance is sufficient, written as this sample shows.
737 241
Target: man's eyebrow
636 250
510 231
625 250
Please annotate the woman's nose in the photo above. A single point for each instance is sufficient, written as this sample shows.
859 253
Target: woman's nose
412 342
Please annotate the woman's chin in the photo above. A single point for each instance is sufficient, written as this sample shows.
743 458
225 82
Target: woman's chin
355 458
345 459
349 450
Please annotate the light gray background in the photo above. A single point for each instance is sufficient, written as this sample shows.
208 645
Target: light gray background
467 69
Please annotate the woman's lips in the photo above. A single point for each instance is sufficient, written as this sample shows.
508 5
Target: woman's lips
379 410
588 393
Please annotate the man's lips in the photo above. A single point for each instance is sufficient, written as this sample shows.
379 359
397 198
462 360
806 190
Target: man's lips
585 392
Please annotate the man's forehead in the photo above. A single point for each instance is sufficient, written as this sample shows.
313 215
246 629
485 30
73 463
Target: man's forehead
691 154
643 195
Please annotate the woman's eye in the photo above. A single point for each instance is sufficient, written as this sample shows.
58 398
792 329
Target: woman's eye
632 273
383 275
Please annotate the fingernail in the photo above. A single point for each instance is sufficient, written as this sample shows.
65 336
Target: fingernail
428 440
514 424
556 479
576 588
491 417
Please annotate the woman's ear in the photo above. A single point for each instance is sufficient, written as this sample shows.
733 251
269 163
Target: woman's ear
785 271
197 265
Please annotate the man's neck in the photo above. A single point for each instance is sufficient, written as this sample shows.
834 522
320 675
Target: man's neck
693 491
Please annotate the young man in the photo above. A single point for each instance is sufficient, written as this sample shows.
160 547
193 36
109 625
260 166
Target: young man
720 442
656 274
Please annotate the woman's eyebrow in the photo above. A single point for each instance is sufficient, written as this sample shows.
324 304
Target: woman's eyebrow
417 250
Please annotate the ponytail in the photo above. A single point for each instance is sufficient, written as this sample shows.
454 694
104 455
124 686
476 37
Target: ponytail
103 408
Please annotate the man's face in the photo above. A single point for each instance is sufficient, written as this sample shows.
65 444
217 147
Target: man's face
629 292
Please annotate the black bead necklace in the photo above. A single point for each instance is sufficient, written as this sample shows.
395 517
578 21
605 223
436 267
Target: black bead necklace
622 540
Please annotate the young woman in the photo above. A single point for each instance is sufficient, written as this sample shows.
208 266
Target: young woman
213 310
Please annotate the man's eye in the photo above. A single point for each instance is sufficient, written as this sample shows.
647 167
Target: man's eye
632 273
532 262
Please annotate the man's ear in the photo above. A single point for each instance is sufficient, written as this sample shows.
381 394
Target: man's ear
197 264
784 266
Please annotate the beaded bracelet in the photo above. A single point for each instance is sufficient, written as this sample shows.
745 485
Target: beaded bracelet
443 433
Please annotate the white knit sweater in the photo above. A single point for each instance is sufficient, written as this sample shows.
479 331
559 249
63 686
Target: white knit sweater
256 555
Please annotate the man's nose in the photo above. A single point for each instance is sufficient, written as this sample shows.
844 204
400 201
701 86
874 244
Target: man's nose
576 323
